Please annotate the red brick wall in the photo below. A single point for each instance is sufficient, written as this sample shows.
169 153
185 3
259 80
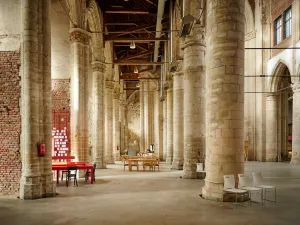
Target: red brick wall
60 95
10 123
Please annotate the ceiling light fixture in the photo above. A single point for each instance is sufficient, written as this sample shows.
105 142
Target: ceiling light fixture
135 70
132 45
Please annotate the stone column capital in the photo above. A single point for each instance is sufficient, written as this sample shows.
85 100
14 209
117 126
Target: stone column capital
116 94
170 82
98 66
296 87
79 35
196 37
109 84
179 69
271 96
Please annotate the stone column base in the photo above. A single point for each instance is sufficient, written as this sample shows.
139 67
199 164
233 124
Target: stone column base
30 187
100 164
272 158
109 159
189 171
169 160
213 194
295 160
48 186
177 164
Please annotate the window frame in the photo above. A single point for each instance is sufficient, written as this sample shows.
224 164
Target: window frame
276 28
285 21
283 27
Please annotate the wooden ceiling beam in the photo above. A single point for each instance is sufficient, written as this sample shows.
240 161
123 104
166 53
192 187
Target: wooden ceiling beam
120 24
140 40
128 11
132 30
121 62
137 55
152 3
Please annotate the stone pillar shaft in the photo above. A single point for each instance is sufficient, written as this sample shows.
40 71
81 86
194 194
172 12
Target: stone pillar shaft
165 116
146 115
225 94
48 186
108 117
169 158
98 113
296 125
194 100
271 127
122 128
79 54
116 125
36 180
142 114
178 121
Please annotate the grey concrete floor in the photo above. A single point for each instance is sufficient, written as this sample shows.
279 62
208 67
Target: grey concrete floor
142 198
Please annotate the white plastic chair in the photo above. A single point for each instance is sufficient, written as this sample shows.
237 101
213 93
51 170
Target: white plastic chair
245 184
201 170
258 181
229 186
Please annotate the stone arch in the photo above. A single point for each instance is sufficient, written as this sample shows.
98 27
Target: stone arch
94 18
281 65
249 18
131 96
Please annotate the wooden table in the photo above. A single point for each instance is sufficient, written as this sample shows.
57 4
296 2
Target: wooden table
80 166
135 162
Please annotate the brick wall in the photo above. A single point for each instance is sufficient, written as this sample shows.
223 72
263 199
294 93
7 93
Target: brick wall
60 95
10 123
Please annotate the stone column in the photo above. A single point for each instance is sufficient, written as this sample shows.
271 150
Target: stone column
116 124
169 158
165 116
36 179
79 40
48 186
146 114
194 100
158 126
122 129
178 121
108 118
225 94
142 127
98 113
271 127
151 92
296 125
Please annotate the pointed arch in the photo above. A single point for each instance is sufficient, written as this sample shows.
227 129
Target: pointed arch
94 20
278 71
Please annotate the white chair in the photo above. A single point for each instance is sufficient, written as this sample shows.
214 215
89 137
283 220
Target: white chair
229 187
201 170
245 184
258 181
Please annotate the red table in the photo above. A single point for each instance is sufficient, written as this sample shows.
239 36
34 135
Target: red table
79 165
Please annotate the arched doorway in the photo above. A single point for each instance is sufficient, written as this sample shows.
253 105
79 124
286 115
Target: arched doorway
279 109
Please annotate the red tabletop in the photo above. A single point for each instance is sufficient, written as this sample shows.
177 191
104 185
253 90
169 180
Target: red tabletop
79 165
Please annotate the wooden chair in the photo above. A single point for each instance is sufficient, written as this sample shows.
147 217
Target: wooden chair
150 163
72 172
89 173
156 164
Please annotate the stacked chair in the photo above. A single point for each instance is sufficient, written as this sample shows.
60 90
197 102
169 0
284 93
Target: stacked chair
245 186
258 181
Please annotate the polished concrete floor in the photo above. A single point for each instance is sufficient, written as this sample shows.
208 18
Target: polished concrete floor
144 198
